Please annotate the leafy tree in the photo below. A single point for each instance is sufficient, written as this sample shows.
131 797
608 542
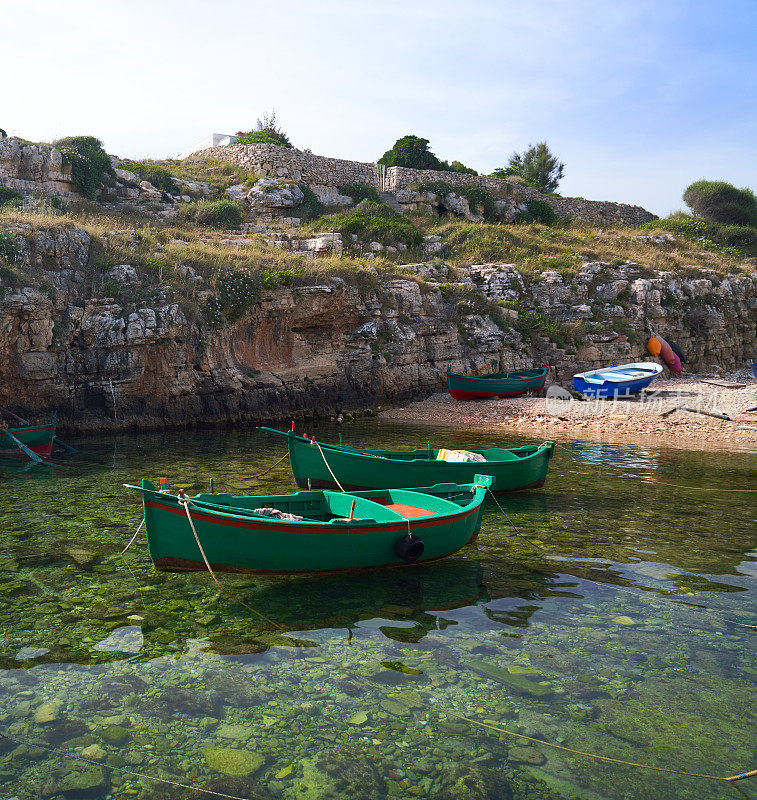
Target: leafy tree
90 164
537 166
458 166
722 202
413 152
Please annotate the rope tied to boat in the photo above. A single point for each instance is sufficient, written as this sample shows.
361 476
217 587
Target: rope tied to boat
265 471
514 526
317 444
186 502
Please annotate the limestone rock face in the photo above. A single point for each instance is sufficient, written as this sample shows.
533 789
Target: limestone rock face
267 193
34 169
138 359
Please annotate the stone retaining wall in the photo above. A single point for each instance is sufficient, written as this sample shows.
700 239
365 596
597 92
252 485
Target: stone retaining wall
272 161
34 169
593 211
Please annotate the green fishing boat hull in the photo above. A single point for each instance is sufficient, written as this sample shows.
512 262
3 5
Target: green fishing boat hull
38 438
502 384
243 542
513 470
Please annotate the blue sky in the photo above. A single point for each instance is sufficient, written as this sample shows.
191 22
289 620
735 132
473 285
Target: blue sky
638 98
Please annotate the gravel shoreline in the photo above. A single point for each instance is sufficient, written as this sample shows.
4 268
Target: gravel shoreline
622 421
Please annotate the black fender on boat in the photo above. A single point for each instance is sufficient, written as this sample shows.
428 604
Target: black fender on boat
409 548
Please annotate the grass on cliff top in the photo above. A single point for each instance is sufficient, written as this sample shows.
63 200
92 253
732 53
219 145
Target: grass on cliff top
219 174
564 248
237 273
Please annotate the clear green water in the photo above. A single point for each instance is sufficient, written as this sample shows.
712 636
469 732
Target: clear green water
620 637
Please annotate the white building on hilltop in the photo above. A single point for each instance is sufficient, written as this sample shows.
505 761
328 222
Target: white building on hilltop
214 140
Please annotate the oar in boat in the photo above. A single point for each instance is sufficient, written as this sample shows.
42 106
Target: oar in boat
21 446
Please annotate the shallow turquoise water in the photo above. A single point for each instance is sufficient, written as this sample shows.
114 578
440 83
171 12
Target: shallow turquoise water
624 636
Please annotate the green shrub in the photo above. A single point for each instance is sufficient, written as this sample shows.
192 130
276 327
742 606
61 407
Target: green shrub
10 196
264 137
238 290
57 203
722 202
537 211
219 214
11 249
90 164
158 176
702 232
740 237
311 207
442 188
360 191
376 222
457 166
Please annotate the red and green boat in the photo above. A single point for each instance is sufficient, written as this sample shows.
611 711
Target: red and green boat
328 531
496 384
21 441
317 465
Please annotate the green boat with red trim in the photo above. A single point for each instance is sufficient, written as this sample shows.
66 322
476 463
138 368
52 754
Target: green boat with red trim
326 530
496 384
317 465
37 438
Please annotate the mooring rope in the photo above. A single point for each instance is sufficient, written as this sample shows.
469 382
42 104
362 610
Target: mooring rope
731 778
186 502
123 770
133 538
327 465
266 471
515 528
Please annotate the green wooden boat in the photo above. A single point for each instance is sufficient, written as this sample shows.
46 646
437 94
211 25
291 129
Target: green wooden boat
332 530
21 441
495 384
513 469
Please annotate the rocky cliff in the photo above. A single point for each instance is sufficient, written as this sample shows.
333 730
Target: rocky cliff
310 350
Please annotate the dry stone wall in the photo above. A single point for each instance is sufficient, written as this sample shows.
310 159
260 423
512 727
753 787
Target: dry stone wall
319 172
34 169
272 161
593 211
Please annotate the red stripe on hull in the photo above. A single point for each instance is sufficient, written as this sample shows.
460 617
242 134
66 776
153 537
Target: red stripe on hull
319 530
462 394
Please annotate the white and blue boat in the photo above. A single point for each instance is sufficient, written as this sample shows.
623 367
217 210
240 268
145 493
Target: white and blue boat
616 381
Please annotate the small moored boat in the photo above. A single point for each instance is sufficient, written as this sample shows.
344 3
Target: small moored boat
495 384
319 466
310 531
614 381
33 442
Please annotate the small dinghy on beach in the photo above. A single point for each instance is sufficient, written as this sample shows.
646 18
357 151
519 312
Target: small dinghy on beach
617 381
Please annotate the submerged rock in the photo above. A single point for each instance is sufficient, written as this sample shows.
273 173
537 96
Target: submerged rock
515 681
232 761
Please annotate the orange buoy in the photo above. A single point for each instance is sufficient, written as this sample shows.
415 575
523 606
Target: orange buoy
654 346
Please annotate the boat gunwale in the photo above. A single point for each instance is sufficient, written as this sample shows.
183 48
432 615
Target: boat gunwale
536 450
493 377
315 527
